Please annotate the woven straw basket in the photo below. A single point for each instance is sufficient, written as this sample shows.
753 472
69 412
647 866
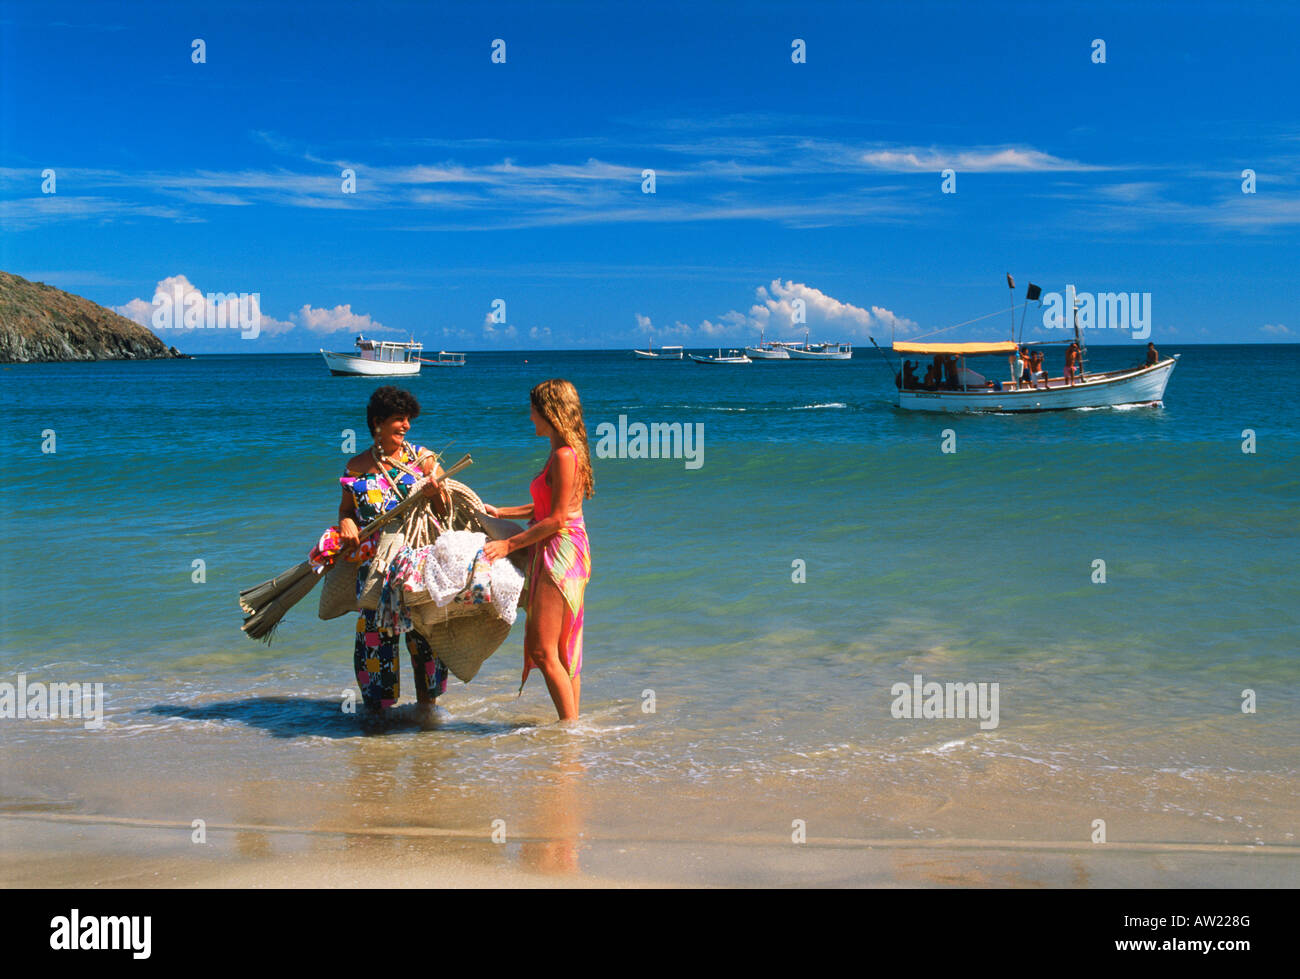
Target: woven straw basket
462 636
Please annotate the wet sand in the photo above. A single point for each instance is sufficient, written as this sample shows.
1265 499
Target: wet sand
82 852
397 813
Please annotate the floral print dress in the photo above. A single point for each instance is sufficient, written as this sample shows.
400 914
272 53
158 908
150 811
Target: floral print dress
374 653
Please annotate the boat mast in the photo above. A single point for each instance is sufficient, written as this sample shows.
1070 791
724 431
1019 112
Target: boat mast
1078 337
1011 287
1011 361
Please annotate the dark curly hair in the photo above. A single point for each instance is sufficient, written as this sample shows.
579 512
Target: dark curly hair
389 401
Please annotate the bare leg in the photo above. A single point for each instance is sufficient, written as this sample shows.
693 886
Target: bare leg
542 646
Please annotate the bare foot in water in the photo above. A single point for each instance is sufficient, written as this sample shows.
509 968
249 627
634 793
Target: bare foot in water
428 713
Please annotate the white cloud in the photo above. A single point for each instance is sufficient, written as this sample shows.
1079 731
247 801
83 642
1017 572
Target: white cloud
317 320
643 322
727 183
1276 329
494 331
826 318
776 311
137 310
1005 159
331 320
215 307
899 324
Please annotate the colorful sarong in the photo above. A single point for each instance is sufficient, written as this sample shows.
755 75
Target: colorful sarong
565 558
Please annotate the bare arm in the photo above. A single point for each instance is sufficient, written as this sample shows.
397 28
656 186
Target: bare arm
512 512
566 479
349 532
428 464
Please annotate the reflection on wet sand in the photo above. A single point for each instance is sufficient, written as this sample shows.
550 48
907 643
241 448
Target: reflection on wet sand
405 795
559 807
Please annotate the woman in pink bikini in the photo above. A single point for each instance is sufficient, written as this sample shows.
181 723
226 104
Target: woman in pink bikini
561 562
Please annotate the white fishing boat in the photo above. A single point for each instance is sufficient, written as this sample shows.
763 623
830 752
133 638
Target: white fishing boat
731 357
819 351
445 359
950 386
1138 385
376 358
665 353
775 350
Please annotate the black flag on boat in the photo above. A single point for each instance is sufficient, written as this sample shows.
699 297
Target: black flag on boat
1011 283
1033 292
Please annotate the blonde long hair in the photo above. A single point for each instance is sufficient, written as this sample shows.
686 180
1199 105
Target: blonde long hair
557 401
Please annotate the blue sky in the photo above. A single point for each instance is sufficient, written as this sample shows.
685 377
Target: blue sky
774 181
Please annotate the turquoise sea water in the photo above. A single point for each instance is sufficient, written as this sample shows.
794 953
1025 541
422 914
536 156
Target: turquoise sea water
974 566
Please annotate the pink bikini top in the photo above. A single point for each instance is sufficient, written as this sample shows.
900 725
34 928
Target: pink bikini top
541 494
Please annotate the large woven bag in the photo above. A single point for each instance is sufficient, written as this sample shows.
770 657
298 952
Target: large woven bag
463 642
418 524
462 636
338 595
390 545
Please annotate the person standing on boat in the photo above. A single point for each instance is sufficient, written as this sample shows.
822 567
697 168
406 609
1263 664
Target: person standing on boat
1027 364
561 562
1036 369
1071 363
1153 355
1019 362
374 482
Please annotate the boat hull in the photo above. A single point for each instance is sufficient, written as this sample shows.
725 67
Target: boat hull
444 360
815 355
763 353
1144 385
349 365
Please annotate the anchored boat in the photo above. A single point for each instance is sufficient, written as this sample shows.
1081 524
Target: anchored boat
973 392
775 350
377 358
665 353
731 357
445 359
819 351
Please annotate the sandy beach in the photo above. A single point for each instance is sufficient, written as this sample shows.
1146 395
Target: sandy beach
977 570
89 852
392 809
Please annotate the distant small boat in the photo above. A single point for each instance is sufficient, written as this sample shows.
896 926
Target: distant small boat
376 358
820 351
445 359
665 353
732 357
775 350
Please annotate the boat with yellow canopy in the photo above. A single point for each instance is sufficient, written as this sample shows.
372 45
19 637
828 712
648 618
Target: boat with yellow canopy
956 388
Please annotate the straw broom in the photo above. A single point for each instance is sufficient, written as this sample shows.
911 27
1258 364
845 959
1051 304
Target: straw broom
265 605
